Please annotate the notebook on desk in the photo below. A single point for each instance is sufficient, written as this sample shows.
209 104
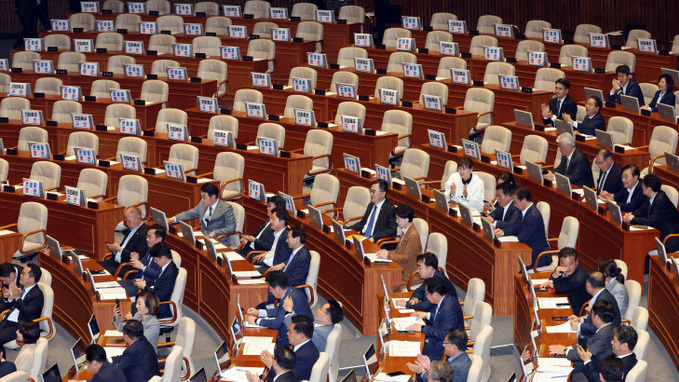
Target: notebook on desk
488 231
672 162
604 139
524 118
662 253
413 187
466 214
590 197
78 354
563 127
93 328
187 233
563 184
339 231
222 356
630 103
441 201
667 112
52 374
316 216
370 362
534 171
200 376
593 92
159 218
614 212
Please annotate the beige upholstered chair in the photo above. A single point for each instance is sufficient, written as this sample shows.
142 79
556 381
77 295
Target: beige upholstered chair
70 61
634 35
319 372
116 64
433 39
218 25
489 184
534 28
495 69
225 123
568 237
172 23
209 45
479 42
534 149
415 164
162 43
31 134
246 95
346 55
525 46
58 40
48 173
663 139
82 139
48 85
648 90
154 91
171 116
40 352
397 59
349 108
401 123
622 130
318 144
675 44
355 203
186 155
210 8
569 51
324 192
161 6
128 21
332 346
115 6
297 101
132 146
217 70
391 83
263 29
109 41
133 190
185 340
447 63
272 131
352 13
94 183
258 8
496 138
546 77
343 77
5 79
582 32
434 89
437 243
546 212
439 20
159 67
305 11
10 107
102 88
31 223
85 21
311 31
62 110
619 57
303 72
482 101
24 59
486 24
228 171
449 168
116 111
393 34
261 49
672 193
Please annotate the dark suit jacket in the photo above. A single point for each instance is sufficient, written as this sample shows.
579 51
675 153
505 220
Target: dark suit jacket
163 288
587 329
264 241
531 230
613 180
633 90
139 361
282 251
569 107
637 201
424 304
222 222
663 216
461 365
668 99
599 344
591 369
589 125
298 268
287 377
448 317
275 317
137 244
305 358
385 224
30 306
579 170
4 303
511 217
109 373
574 288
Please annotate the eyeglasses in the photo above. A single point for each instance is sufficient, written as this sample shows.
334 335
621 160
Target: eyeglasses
374 191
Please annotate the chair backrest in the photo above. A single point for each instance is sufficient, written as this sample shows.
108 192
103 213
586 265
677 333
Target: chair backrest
31 134
39 359
437 243
325 189
495 69
305 11
634 293
449 169
93 182
479 42
486 24
623 268
474 373
272 131
24 59
332 347
401 123
178 294
4 170
546 77
49 85
162 43
116 111
482 348
619 57
32 217
393 34
389 82
496 138
129 21
638 372
160 6
355 202
639 318
173 365
480 100
303 72
223 122
621 128
319 373
663 140
675 44
109 40
45 277
102 89
352 13
257 8
228 166
319 143
159 67
186 155
309 31
570 229
82 139
85 21
10 107
116 6
133 189
434 89
397 59
571 50
172 23
546 212
155 90
48 173
346 55
439 20
434 38
246 95
210 45
62 110
447 63
170 116
582 32
312 278
348 108
415 164
263 29
534 149
423 229
297 101
116 64
648 90
641 347
346 78
177 259
69 61
218 25
47 307
186 338
534 28
217 70
525 46
489 184
634 35
476 292
483 315
209 7
671 193
17 376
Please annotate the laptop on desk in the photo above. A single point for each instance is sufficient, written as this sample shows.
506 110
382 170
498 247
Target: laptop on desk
52 374
667 112
316 216
441 201
93 327
413 187
55 247
78 354
534 171
466 214
159 218
563 184
524 118
339 231
630 103
222 356
592 92
672 162
604 139
590 197
563 127
200 376
488 231
614 212
187 233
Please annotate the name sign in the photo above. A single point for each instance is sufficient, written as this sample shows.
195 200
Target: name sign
177 132
39 150
305 117
134 47
493 53
363 40
231 10
85 155
238 31
148 27
182 50
552 35
449 48
302 85
230 53
61 25
255 190
82 121
31 117
460 76
410 22
105 26
268 146
317 59
207 104
412 70
120 95
280 34
134 70
90 69
178 74
131 162
255 110
83 45
130 126
437 139
71 93
262 80
43 66
457 26
19 89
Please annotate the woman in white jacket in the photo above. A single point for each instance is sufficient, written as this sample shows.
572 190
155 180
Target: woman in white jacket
464 187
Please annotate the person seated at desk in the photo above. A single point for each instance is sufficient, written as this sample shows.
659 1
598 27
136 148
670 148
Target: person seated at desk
262 239
440 371
408 247
273 318
624 340
327 317
139 361
216 216
299 333
296 266
455 350
615 283
9 273
378 220
530 229
505 213
623 84
427 267
505 177
148 307
657 212
463 187
134 241
28 333
102 370
664 94
593 120
599 345
279 252
610 174
574 163
570 278
611 369
596 287
148 269
561 104
164 284
282 362
631 196
23 304
446 316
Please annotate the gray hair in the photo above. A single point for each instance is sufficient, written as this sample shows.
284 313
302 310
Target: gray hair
566 139
441 371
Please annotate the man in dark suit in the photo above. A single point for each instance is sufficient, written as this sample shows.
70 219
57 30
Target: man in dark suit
282 362
378 220
610 174
279 251
144 266
574 163
427 267
593 119
133 241
505 213
631 197
570 278
296 266
561 104
596 287
262 239
531 228
306 354
9 273
139 361
446 316
215 215
657 212
624 340
271 317
102 370
611 369
25 303
327 317
455 349
623 84
164 284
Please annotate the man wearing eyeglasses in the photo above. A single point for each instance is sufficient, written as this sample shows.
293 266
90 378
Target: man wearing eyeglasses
455 349
378 220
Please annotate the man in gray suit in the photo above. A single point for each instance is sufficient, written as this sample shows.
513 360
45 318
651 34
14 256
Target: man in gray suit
455 349
216 216
326 318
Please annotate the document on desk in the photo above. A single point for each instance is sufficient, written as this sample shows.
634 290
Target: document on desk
401 323
247 274
404 348
563 328
549 361
549 377
204 180
549 129
6 232
373 257
252 339
639 227
251 281
112 294
113 333
537 282
249 325
508 239
239 373
257 348
107 284
383 377
114 351
552 302
233 256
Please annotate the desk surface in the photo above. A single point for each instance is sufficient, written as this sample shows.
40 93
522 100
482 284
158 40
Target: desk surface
663 306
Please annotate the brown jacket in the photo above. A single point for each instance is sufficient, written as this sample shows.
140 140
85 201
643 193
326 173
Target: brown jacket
406 252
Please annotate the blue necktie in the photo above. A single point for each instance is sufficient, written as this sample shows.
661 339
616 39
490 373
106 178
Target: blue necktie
369 230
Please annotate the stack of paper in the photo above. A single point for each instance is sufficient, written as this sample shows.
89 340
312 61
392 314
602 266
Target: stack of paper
257 348
233 256
373 257
106 285
401 323
239 373
553 369
248 274
112 293
6 232
113 333
251 281
383 377
552 302
563 328
508 239
113 352
538 282
404 348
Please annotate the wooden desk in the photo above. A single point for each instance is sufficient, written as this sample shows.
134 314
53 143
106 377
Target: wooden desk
643 125
666 175
9 244
495 266
663 307
599 237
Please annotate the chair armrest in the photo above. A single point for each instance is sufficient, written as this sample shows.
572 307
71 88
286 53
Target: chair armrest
251 253
120 267
395 169
471 343
223 185
626 321
323 204
469 351
51 188
204 175
301 196
537 259
549 166
218 238
650 164
419 178
664 242
470 317
4 313
8 226
166 344
50 333
31 379
427 182
226 90
108 200
296 150
43 246
404 136
642 147
167 321
188 369
311 292
333 210
582 308
98 196
356 218
410 281
190 170
386 239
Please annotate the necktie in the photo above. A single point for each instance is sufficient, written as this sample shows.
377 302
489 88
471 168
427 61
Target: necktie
558 109
602 181
292 255
208 217
568 164
369 229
